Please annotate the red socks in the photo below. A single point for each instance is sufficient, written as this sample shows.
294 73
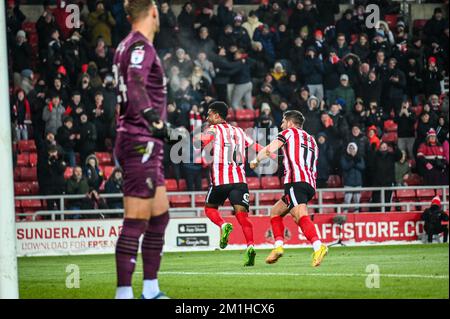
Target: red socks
277 227
247 227
308 228
214 216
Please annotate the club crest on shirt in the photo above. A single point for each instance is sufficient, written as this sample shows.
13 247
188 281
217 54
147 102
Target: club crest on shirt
137 56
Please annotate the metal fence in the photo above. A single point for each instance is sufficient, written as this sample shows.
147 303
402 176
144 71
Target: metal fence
257 208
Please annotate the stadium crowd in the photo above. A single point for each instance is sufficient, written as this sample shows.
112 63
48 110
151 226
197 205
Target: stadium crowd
353 83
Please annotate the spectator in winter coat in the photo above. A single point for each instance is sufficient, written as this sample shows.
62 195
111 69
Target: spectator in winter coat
251 24
374 140
77 185
436 221
396 87
361 141
165 40
20 111
333 68
311 113
406 120
345 92
93 173
312 73
402 170
66 137
376 117
423 127
53 113
432 78
22 54
382 170
101 23
324 160
442 129
269 38
86 137
358 115
353 167
431 161
53 182
114 185
362 48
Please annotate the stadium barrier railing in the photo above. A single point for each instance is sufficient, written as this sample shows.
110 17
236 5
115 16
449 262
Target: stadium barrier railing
257 208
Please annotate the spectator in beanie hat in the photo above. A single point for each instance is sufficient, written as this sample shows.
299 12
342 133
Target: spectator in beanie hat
436 221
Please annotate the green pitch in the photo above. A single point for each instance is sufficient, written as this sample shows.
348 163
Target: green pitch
406 271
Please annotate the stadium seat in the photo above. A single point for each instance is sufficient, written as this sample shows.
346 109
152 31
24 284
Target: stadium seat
334 181
231 116
390 137
418 110
29 27
28 174
182 186
328 197
405 195
340 197
33 159
31 205
267 198
17 174
413 180
245 115
27 146
418 24
200 200
171 185
180 200
107 171
68 172
270 182
34 188
245 124
391 20
425 194
205 184
104 158
21 189
328 210
366 196
390 126
23 159
253 183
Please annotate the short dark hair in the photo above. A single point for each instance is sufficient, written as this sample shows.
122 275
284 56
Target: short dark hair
220 108
295 116
136 9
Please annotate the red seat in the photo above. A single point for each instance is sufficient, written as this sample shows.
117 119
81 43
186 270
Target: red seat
23 159
29 27
390 126
107 171
231 116
205 184
245 115
245 124
31 205
390 137
418 110
425 194
413 180
253 183
391 20
182 185
366 196
328 197
21 189
334 181
33 159
17 176
200 199
28 174
68 172
27 146
34 188
270 182
418 24
340 197
171 185
328 210
104 158
180 200
405 195
267 198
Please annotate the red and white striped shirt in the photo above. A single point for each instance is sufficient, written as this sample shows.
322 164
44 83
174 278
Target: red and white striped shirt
228 166
300 156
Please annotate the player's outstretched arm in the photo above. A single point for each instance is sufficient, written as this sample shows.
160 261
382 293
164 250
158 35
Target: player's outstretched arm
266 152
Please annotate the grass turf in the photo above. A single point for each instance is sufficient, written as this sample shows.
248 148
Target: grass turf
407 271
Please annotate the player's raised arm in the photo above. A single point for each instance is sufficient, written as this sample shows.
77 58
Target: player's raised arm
268 151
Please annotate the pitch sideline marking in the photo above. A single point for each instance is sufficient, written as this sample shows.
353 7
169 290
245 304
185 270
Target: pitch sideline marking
192 273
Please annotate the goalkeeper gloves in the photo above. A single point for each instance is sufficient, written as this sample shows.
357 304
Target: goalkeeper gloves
157 127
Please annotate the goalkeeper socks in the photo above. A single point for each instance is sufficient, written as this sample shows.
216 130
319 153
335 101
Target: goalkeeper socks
214 216
126 252
150 289
277 229
152 245
308 229
247 227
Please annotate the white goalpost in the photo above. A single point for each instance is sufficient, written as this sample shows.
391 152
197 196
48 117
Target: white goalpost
8 261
